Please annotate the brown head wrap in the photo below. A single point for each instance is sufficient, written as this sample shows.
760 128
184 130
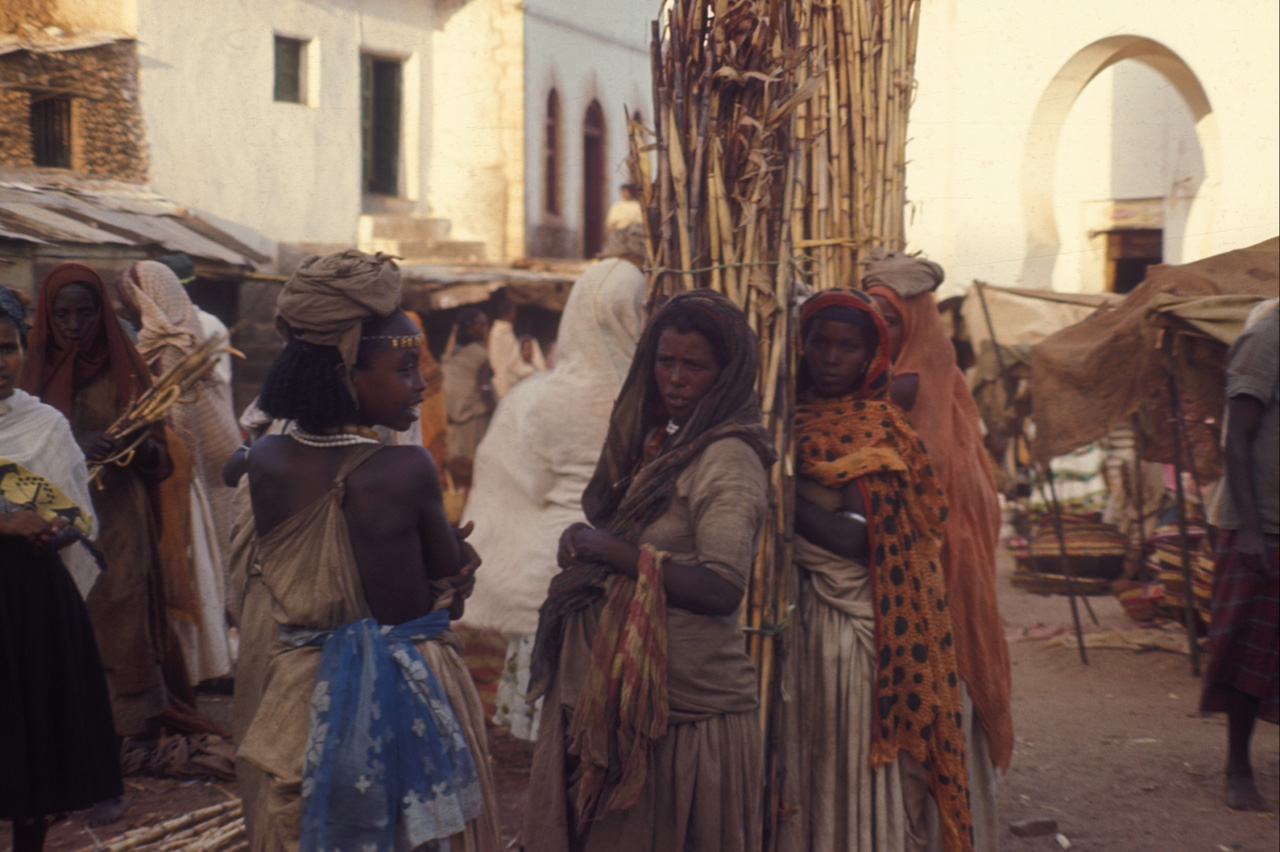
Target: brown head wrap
57 368
327 298
905 275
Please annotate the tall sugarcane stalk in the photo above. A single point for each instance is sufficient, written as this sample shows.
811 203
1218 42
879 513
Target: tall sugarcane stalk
178 383
775 164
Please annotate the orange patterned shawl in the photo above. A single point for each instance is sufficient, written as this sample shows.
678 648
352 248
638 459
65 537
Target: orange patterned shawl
946 418
863 438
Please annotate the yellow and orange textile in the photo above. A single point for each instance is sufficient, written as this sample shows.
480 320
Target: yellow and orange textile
861 437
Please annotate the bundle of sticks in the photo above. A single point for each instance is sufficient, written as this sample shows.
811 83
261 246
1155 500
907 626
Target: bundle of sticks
217 828
152 406
775 164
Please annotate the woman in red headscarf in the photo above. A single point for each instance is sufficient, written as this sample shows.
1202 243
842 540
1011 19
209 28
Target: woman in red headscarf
872 730
82 363
931 389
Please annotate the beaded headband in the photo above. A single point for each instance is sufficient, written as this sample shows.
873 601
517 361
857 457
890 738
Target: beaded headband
398 341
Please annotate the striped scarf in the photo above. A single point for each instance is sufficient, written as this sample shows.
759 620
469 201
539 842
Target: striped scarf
623 705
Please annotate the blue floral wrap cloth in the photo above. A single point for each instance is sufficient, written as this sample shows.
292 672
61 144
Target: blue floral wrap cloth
386 765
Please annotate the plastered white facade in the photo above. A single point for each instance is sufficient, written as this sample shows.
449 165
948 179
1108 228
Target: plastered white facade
1029 115
476 74
220 142
586 50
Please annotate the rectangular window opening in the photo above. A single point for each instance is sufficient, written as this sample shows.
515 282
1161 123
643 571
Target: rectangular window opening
380 107
291 70
51 132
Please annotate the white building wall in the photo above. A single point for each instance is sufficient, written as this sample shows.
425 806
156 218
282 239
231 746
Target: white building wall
983 67
476 171
220 142
585 49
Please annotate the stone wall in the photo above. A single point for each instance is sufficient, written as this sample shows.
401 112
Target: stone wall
107 128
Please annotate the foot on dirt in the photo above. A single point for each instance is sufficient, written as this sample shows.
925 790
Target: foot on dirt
105 813
1242 793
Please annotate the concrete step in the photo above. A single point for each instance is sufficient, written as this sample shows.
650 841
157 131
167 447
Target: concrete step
396 227
458 251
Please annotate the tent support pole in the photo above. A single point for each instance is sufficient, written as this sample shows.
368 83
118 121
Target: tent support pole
1064 567
1010 390
1188 609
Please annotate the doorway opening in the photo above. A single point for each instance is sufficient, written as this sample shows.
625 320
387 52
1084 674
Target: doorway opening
1129 253
593 189
380 108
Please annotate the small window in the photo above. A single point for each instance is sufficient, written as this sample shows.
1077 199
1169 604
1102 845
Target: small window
51 132
380 107
290 80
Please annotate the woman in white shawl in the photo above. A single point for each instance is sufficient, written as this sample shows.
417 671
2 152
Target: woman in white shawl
169 329
56 731
538 455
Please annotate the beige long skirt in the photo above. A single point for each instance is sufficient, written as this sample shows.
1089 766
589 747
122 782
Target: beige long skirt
702 791
832 801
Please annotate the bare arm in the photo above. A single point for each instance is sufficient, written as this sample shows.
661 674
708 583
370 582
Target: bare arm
441 551
835 531
688 587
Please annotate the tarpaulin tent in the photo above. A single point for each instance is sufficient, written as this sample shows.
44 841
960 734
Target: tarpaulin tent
1021 318
1089 377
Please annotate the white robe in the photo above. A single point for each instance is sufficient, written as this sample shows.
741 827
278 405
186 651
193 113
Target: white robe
39 438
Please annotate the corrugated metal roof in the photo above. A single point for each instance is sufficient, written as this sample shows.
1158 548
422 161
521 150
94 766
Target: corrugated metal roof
42 210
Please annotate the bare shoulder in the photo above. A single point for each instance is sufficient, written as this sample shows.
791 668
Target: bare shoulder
268 455
404 472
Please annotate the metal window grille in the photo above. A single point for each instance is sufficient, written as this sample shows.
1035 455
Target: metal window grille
51 132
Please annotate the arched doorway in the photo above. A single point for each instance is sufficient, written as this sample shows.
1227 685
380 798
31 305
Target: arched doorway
593 186
1039 167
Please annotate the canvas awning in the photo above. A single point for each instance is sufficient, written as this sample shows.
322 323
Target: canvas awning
1089 377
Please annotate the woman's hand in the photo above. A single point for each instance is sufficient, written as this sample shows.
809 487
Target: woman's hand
28 524
470 558
567 552
98 446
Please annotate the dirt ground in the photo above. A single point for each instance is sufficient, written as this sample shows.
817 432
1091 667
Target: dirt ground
1114 751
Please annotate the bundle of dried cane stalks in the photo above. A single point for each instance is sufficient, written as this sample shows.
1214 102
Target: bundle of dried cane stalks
178 383
217 828
775 164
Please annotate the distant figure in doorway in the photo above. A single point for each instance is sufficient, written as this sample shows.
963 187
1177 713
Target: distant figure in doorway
625 211
1244 638
468 384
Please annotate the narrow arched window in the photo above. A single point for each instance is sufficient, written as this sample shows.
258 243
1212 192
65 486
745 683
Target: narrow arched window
593 186
551 156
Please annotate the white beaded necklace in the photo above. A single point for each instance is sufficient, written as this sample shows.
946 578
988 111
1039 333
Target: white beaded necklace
341 439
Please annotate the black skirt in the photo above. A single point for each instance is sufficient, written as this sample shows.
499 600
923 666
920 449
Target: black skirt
58 748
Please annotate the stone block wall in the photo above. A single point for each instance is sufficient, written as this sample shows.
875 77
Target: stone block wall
108 134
